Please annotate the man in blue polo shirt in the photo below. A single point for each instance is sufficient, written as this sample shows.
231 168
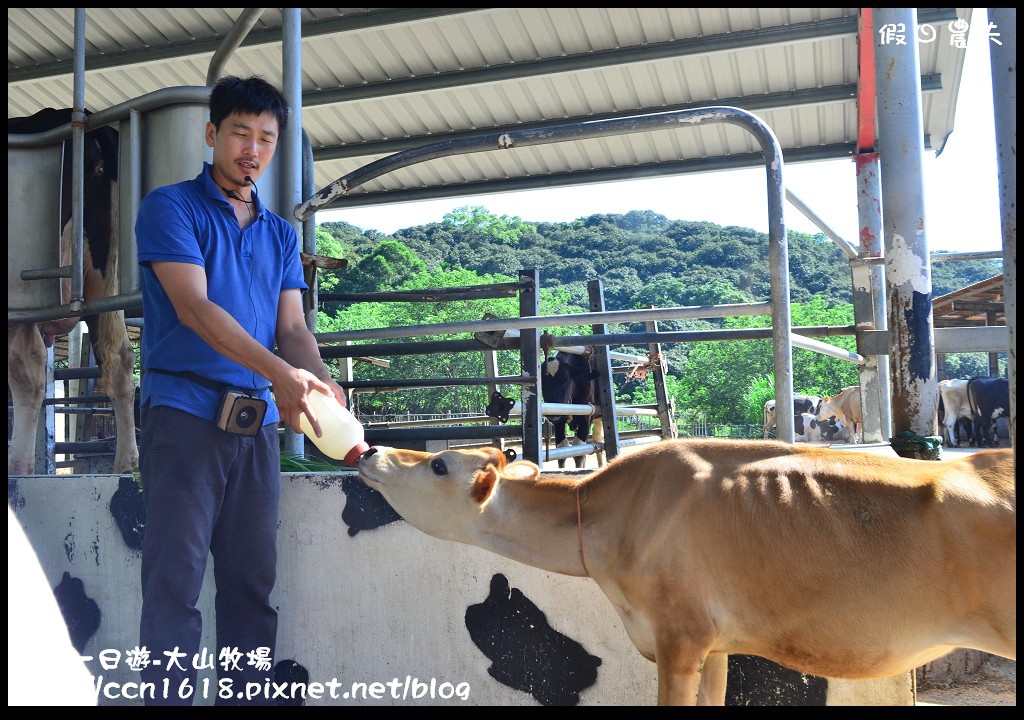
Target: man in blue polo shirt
222 286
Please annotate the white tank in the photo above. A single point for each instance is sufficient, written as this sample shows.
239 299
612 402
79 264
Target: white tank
33 225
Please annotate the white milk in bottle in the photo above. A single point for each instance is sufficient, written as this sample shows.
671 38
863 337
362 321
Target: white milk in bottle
341 434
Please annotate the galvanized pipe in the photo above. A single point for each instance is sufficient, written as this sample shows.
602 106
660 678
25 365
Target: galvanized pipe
825 349
907 269
869 214
1003 57
568 451
290 189
233 40
552 409
848 249
78 168
586 350
544 321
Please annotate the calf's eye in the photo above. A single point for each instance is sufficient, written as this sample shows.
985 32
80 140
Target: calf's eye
439 466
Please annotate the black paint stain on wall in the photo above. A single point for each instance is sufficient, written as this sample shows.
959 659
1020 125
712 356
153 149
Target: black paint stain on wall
129 511
15 499
365 508
289 671
96 548
69 547
526 652
81 613
921 356
756 681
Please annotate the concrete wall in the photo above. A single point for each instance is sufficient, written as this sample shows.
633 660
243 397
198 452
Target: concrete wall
365 598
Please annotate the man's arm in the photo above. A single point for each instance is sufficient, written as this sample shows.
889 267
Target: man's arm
185 285
297 346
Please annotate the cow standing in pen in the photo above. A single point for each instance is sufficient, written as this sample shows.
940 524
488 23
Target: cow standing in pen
568 378
956 420
989 400
844 407
27 342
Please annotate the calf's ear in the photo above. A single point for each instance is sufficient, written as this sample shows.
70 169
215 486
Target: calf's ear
484 483
522 470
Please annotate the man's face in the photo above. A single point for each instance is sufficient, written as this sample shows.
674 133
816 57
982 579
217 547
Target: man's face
243 146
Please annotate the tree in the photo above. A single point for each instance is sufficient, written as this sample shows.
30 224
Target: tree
949 276
439 366
718 376
643 260
329 246
477 219
387 267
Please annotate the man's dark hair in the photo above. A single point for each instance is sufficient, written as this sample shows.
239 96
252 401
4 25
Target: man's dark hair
249 96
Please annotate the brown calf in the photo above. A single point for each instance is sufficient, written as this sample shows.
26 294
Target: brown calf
834 563
844 406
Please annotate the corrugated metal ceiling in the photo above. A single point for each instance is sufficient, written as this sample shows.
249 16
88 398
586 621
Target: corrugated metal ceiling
376 81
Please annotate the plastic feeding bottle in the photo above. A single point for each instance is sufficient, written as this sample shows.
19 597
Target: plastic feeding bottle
341 434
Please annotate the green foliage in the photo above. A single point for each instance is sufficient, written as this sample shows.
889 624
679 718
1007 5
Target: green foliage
968 365
717 376
329 246
440 366
760 390
643 260
949 276
387 266
469 220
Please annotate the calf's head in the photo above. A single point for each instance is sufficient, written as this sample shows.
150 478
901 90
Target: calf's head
827 409
444 493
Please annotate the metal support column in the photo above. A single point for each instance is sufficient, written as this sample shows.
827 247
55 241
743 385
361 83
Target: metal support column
529 338
46 435
874 386
1003 55
605 381
915 389
666 404
491 371
290 193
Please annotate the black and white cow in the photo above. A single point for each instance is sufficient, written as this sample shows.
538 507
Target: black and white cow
811 429
801 404
568 378
27 342
815 430
989 399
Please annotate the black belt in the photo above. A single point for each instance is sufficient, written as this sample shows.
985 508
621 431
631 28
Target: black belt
204 381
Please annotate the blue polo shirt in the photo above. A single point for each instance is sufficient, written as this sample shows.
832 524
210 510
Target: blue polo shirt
246 271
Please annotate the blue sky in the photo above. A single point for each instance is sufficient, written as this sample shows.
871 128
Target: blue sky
961 200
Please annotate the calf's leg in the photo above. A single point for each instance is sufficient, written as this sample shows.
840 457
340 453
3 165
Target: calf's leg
26 378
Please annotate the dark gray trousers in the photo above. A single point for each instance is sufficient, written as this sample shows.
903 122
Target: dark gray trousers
207 492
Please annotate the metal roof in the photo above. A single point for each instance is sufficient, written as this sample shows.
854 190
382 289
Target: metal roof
376 81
